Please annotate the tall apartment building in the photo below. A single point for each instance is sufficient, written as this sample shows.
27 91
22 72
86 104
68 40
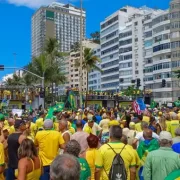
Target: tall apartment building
158 56
59 21
73 74
122 48
94 77
175 44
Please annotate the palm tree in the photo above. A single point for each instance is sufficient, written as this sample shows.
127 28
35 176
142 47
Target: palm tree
55 58
14 81
95 37
89 63
75 47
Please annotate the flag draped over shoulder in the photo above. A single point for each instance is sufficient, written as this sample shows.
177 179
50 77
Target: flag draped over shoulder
145 147
71 99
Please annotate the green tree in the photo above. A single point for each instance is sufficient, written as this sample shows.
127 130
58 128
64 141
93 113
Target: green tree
95 37
14 81
177 73
75 47
89 63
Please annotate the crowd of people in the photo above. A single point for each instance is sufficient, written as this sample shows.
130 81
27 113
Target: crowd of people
114 144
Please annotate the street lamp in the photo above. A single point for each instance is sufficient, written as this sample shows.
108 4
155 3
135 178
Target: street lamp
42 78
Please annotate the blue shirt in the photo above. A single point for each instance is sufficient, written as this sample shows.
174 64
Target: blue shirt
98 118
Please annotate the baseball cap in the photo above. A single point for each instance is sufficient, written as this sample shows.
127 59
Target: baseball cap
18 123
165 135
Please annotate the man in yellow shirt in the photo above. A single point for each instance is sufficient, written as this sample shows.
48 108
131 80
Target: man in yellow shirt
138 124
40 121
104 161
48 141
2 162
32 126
173 124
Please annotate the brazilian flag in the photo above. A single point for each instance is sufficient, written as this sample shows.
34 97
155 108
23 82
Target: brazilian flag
71 99
153 104
58 107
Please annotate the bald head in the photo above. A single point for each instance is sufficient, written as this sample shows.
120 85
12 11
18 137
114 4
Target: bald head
65 167
63 125
79 124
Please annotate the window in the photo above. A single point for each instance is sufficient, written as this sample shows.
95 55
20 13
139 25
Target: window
109 43
136 40
125 73
125 65
112 70
175 34
114 84
112 63
109 29
110 78
124 50
136 23
126 57
126 34
175 44
160 19
161 47
122 43
136 72
148 34
109 36
109 22
148 43
109 50
161 28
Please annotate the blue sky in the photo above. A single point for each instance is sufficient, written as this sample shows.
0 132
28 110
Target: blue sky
15 23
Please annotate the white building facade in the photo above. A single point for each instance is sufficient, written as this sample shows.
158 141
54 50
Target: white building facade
94 77
58 21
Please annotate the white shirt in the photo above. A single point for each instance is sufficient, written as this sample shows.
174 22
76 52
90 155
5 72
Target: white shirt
140 137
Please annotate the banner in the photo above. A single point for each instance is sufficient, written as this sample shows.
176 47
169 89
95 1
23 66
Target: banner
17 111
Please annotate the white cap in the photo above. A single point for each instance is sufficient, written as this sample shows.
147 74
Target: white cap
165 135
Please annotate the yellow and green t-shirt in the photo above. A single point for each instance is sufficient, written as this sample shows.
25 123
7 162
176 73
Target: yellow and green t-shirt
138 127
172 126
48 142
2 162
107 155
33 129
39 123
91 156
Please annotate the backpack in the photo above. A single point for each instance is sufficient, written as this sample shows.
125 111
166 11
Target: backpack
118 170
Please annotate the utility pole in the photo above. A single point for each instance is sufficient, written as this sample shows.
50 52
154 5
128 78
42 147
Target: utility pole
81 57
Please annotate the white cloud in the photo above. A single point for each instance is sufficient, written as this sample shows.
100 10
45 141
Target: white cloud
35 3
